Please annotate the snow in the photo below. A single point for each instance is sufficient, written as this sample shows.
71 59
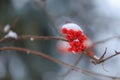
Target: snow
32 39
11 34
6 28
72 26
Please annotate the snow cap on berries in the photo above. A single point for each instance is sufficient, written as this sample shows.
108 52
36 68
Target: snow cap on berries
71 26
75 37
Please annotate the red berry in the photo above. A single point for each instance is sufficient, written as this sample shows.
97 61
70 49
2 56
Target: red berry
76 39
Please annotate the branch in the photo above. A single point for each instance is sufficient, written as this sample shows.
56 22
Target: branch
15 22
58 62
102 59
41 37
35 38
116 53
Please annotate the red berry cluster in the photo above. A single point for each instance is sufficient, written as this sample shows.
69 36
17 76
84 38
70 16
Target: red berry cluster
76 40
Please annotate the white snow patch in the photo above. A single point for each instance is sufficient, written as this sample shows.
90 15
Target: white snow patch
32 39
6 28
72 26
11 34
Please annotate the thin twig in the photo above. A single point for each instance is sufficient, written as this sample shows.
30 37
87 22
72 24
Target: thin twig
43 4
14 22
2 39
101 60
52 18
75 63
103 54
116 53
104 67
85 71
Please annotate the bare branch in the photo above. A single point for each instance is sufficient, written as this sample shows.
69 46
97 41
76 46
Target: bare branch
35 38
103 54
41 37
52 19
97 61
15 22
85 71
117 53
102 59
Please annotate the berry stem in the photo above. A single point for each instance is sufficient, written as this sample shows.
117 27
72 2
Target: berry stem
89 55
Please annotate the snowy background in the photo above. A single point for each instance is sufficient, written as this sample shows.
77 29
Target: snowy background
100 19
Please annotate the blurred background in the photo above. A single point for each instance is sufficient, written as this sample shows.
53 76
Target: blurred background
99 19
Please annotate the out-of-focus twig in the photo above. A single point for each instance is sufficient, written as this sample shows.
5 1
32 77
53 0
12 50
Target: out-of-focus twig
85 71
52 18
43 4
116 53
15 22
105 40
75 63
2 39
104 67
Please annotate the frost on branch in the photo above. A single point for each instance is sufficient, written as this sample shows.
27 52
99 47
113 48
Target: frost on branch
11 34
75 36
